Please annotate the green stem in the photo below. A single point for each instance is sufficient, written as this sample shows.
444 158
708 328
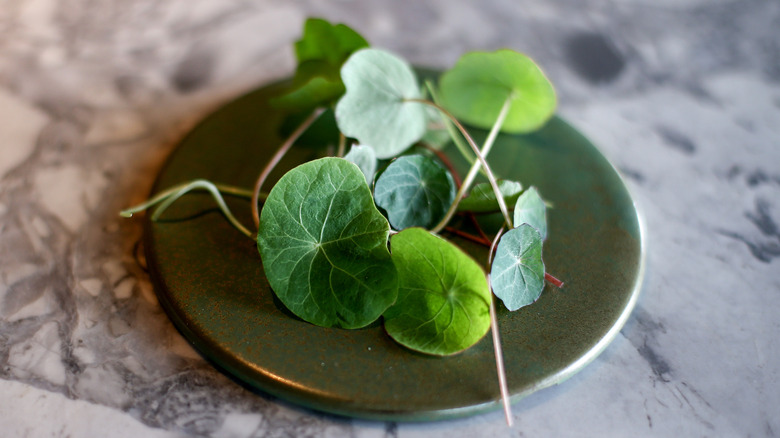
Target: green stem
168 197
456 138
223 188
278 157
481 154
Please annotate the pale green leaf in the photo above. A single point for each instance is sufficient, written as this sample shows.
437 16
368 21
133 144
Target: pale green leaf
482 198
415 191
375 108
323 245
443 296
517 274
530 209
365 158
475 90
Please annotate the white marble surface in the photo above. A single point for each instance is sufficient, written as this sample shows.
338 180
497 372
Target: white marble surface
684 98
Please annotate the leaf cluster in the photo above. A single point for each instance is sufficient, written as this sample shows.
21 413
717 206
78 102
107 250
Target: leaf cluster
345 241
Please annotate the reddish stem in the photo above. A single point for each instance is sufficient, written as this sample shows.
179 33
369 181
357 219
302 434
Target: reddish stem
467 236
447 163
552 280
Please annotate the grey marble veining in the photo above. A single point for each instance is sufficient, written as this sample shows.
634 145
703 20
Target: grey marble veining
683 96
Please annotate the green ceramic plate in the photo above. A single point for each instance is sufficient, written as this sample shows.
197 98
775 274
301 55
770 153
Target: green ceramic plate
210 280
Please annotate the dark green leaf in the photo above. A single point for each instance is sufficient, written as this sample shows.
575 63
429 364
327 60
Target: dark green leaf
475 90
482 198
415 191
321 51
365 158
324 245
443 297
374 108
530 209
517 275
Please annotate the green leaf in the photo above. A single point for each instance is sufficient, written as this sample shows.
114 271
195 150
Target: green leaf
443 297
475 90
482 198
415 191
324 245
517 274
324 41
530 209
375 109
321 51
364 158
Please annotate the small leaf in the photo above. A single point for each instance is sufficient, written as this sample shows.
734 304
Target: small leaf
443 297
321 51
530 209
517 275
365 158
482 198
475 90
374 108
323 245
415 191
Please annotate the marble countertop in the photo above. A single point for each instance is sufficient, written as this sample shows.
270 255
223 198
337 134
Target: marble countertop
683 96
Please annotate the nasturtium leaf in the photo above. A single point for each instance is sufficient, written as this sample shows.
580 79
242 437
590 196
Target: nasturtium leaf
327 42
517 274
530 209
323 245
443 297
321 51
415 191
375 108
482 198
365 159
475 90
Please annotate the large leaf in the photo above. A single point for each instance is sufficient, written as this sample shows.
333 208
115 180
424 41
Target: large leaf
374 108
475 90
443 297
365 159
482 198
415 191
321 51
324 245
517 275
530 209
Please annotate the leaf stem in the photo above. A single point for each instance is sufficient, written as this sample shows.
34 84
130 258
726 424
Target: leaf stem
481 154
278 157
554 281
497 340
168 197
160 197
342 145
462 148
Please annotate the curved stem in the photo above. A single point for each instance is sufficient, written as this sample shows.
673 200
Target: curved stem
278 157
497 350
162 196
475 167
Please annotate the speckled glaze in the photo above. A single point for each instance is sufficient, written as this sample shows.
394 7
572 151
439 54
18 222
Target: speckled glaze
210 280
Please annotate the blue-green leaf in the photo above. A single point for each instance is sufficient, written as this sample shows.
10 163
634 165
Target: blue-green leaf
530 209
517 274
415 191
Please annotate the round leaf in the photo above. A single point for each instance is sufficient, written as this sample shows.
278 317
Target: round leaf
530 209
517 275
324 245
415 191
443 297
364 158
482 198
475 90
374 108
